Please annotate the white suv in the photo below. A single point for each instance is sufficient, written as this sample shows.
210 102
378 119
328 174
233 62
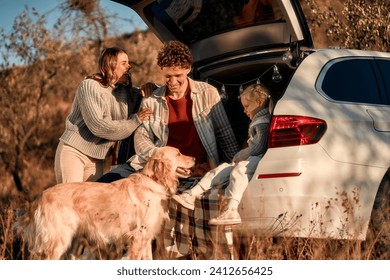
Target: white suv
328 154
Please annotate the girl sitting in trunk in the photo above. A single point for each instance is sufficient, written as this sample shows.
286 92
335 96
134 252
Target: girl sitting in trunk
255 100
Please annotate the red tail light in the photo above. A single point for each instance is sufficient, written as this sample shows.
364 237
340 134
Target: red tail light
294 131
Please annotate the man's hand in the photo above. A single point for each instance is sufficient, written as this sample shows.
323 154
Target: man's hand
200 169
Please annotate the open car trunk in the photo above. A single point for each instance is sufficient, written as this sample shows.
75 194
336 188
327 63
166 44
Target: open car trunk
234 43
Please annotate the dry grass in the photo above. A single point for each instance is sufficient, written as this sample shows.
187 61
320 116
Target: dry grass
255 248
248 247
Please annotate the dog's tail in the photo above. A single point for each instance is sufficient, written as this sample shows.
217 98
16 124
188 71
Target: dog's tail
25 225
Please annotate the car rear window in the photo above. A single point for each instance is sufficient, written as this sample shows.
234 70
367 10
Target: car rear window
194 20
384 66
352 80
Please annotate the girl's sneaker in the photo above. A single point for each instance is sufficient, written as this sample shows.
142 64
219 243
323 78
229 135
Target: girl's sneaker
229 217
185 199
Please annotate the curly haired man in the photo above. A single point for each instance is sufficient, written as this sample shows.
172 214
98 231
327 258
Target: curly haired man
187 115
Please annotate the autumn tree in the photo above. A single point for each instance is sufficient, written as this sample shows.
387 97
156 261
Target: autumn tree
35 70
353 24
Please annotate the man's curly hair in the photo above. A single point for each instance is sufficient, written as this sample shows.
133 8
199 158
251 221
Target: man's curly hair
174 53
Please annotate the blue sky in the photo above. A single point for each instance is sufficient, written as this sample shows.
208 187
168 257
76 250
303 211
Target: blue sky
11 8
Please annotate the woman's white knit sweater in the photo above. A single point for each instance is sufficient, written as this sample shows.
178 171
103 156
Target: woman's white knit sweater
98 118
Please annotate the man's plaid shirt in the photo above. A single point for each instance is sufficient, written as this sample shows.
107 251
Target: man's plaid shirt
210 120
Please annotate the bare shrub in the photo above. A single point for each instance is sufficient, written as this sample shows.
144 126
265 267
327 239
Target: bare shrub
355 24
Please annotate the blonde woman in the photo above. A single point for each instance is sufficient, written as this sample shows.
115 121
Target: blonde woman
104 110
255 100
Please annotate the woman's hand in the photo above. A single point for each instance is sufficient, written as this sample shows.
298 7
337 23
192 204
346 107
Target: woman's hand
200 169
144 114
147 89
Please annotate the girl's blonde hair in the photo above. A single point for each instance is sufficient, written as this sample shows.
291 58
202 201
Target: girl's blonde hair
255 92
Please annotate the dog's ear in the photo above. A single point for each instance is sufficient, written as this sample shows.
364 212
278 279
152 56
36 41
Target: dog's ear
161 171
148 169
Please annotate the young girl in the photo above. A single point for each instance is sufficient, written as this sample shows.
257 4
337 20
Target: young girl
255 100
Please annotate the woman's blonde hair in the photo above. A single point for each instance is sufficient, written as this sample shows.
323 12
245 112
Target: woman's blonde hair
107 64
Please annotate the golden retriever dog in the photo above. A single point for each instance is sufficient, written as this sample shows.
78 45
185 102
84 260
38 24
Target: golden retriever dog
133 208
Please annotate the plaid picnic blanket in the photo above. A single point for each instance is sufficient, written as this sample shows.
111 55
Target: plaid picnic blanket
188 231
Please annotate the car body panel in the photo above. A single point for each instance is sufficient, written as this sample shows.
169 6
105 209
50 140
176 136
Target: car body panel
380 119
315 203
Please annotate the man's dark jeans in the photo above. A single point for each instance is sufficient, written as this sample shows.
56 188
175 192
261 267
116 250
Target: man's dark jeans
119 172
